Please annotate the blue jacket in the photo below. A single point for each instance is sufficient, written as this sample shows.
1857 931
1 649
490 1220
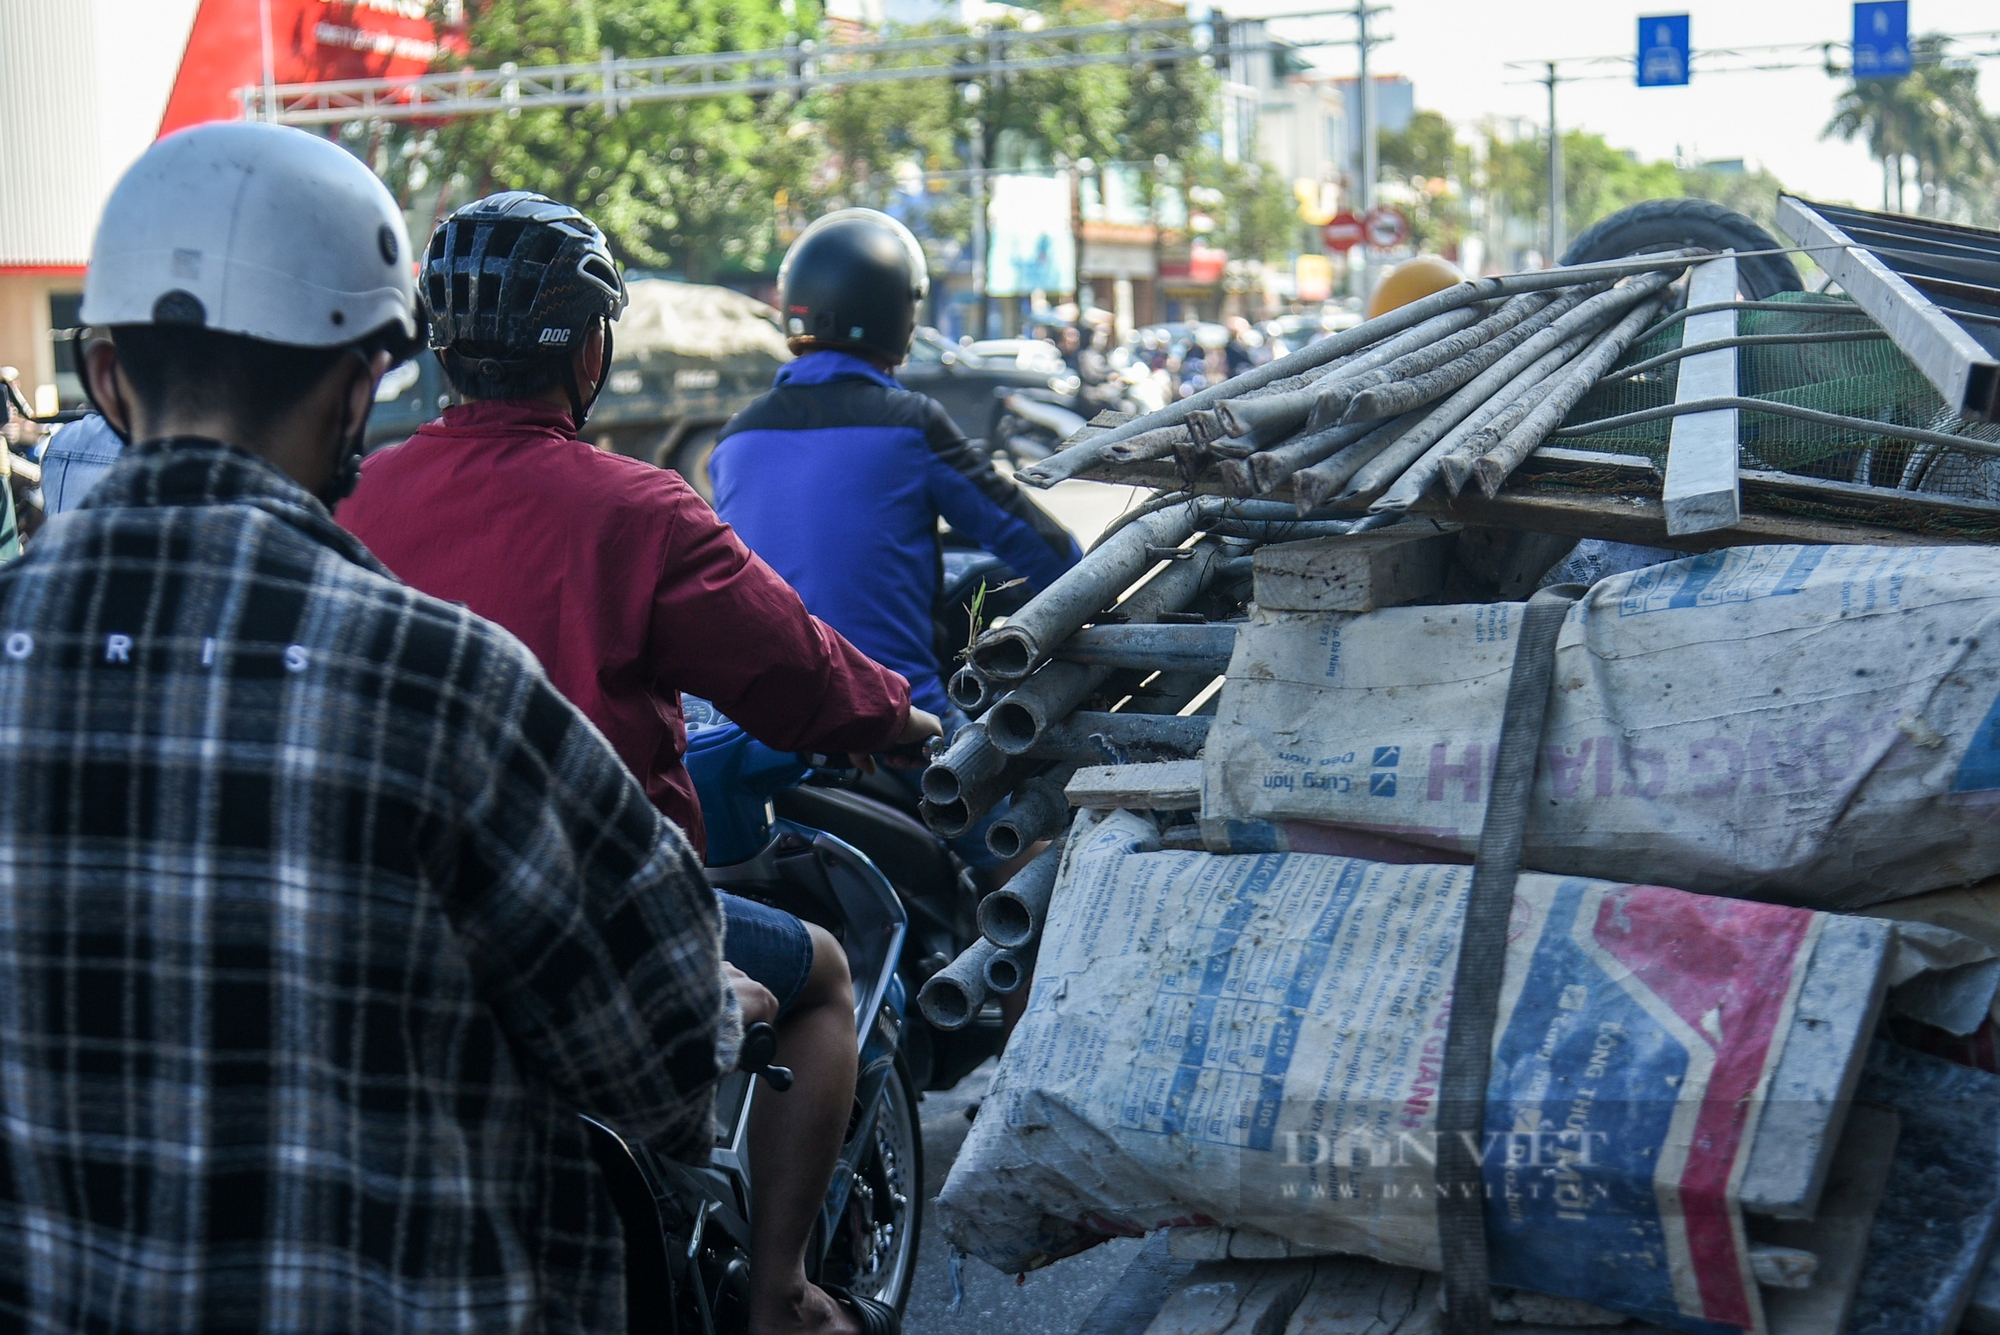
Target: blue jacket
837 477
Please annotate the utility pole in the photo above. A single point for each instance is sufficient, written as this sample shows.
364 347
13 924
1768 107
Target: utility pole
1556 237
270 63
1370 166
976 150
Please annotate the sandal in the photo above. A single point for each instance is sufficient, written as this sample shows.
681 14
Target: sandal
876 1318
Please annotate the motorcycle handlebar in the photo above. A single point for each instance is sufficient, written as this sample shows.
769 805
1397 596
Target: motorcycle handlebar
760 1045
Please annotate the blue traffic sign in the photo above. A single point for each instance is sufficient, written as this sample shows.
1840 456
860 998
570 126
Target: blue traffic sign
1663 50
1882 39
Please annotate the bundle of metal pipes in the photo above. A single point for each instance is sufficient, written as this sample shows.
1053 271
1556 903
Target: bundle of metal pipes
1107 665
1461 386
1115 661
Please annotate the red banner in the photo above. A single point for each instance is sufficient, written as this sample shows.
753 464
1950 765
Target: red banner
310 40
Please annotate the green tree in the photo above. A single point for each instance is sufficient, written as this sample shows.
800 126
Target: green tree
1257 218
1427 148
869 129
1599 180
686 185
1754 194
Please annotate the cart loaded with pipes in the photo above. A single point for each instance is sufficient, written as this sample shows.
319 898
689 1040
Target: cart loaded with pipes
1522 817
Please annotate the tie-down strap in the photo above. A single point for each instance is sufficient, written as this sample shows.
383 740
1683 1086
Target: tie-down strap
1482 956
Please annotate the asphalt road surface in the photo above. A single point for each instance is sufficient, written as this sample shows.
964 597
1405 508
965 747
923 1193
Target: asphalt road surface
1110 1290
1113 1289
1085 508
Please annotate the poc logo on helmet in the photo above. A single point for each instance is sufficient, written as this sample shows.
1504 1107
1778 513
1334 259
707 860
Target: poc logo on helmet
558 337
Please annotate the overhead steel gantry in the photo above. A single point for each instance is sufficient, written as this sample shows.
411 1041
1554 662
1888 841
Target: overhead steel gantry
613 84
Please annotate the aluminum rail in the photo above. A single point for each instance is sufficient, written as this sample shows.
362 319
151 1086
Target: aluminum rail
1964 372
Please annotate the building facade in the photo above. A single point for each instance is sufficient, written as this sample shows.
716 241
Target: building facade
86 85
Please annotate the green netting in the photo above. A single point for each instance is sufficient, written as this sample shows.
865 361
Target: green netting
1869 379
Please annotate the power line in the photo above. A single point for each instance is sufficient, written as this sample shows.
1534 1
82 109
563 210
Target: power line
1697 59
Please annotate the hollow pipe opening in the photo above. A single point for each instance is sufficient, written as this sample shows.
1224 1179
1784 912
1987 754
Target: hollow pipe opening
1004 656
950 819
941 785
946 1003
1005 920
1004 841
1012 726
1004 974
969 690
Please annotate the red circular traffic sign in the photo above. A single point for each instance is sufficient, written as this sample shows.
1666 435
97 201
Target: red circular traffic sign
1385 228
1344 233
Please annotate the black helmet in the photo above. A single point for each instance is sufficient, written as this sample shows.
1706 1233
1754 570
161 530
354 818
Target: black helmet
516 277
853 280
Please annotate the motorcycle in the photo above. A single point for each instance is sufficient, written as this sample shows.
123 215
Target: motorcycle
1032 424
790 831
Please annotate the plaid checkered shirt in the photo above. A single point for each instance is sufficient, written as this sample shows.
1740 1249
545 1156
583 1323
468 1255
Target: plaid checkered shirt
322 915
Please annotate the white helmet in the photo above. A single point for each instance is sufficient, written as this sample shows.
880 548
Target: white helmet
257 230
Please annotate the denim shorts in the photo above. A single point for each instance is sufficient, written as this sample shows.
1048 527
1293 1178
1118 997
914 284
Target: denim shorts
768 944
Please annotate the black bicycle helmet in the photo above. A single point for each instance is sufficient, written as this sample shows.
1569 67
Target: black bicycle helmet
515 278
853 280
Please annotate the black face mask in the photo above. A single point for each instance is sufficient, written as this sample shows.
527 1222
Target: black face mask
346 475
579 407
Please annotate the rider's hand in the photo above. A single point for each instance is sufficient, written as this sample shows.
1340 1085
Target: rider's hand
918 729
755 1000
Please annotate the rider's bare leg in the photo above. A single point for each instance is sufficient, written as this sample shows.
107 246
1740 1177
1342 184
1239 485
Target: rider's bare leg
795 1139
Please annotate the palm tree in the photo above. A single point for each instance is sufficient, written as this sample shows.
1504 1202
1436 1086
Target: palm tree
1880 111
1930 120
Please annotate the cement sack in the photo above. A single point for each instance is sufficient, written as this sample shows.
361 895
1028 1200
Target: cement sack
1254 1042
1816 725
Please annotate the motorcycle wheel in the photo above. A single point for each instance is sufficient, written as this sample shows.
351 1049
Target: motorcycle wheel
1019 443
690 459
874 1250
1667 224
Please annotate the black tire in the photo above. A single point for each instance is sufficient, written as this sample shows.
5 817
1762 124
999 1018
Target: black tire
876 1254
690 459
1667 224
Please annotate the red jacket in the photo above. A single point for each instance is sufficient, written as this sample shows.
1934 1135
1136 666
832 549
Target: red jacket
624 584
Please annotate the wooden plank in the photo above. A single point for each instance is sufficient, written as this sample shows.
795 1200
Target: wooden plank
1982 1314
1130 1303
1933 1234
1776 1267
1701 492
1354 573
1254 1244
1826 1046
1171 785
1642 520
1234 1298
1839 1235
1354 1296
1198 1244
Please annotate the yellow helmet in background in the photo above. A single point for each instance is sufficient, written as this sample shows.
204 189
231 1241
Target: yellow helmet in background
1413 280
